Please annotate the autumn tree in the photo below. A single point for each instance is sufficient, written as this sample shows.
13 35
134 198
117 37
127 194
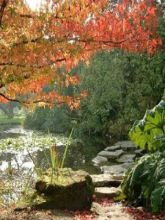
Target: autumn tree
34 45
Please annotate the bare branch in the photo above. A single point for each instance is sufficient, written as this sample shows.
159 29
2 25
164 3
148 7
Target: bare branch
28 102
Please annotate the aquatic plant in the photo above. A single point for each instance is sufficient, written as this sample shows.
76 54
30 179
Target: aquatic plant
54 162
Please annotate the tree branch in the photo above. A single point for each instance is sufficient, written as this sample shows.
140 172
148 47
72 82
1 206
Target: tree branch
22 65
27 102
2 9
35 40
18 100
52 39
35 66
8 98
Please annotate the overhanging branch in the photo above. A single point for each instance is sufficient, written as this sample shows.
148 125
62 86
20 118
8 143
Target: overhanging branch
2 9
28 102
35 66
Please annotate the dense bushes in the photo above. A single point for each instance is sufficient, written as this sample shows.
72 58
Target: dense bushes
144 184
120 86
54 120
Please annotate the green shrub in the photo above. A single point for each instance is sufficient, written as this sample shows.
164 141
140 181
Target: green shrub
150 131
56 120
120 87
144 184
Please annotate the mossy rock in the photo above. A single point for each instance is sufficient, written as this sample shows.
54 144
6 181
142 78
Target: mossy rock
68 189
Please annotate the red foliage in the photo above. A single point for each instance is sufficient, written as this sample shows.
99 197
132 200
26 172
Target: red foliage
34 45
142 214
85 215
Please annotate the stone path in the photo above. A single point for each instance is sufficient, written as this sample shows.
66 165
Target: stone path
101 180
110 212
116 159
114 211
113 162
108 186
108 192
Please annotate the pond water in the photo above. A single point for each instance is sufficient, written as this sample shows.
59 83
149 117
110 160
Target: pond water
22 151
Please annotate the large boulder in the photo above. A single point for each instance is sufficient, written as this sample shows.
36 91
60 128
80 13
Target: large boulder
72 190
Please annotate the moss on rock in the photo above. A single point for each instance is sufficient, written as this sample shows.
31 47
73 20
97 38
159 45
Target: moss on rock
72 190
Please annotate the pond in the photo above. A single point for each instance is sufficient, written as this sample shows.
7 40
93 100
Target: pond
23 151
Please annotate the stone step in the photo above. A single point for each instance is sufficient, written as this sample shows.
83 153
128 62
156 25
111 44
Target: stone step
113 148
114 170
126 158
139 152
111 154
102 180
109 192
98 160
126 145
114 211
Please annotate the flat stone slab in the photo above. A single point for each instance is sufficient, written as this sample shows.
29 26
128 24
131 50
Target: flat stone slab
127 165
99 160
139 152
119 176
126 145
109 192
113 169
113 148
114 211
111 154
126 158
101 180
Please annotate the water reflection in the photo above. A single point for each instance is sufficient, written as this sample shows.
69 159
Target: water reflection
17 165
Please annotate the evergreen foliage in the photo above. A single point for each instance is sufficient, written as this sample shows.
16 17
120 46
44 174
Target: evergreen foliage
54 120
120 87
